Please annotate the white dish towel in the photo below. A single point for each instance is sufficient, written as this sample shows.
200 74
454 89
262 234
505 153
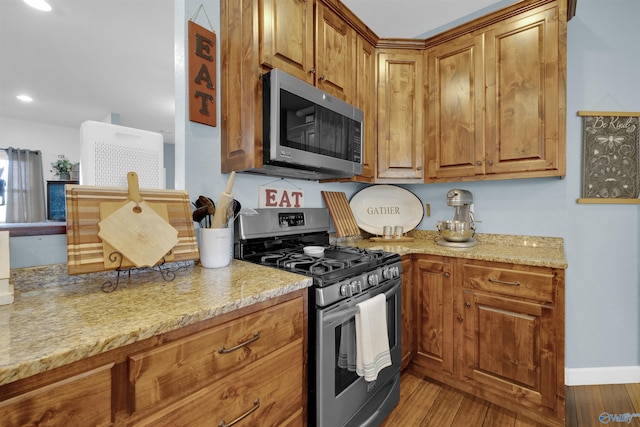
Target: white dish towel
372 339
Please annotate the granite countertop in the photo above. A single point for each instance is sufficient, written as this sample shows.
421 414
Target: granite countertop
527 250
58 319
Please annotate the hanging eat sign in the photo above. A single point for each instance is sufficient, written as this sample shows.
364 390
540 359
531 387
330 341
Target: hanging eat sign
202 74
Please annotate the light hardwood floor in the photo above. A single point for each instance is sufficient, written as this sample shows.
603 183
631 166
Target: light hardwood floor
426 403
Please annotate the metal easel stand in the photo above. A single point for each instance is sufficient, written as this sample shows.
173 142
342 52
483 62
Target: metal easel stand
167 272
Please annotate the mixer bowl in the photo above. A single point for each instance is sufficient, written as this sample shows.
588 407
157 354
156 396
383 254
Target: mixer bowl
456 231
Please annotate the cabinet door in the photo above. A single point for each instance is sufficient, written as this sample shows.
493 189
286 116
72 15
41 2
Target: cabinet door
455 124
81 400
407 312
286 36
186 365
523 95
335 55
366 101
400 109
509 347
433 281
268 392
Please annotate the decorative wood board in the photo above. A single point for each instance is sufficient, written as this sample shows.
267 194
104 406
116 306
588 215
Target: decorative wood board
611 160
341 214
85 250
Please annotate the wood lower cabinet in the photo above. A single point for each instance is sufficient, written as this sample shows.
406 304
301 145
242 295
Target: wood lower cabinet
268 392
249 364
81 400
494 330
433 278
408 299
182 367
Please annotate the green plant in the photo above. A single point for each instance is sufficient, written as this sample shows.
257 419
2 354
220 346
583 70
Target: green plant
62 165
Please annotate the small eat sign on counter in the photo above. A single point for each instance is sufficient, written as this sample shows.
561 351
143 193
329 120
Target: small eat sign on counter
202 74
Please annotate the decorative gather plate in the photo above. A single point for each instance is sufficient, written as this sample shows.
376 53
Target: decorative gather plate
379 205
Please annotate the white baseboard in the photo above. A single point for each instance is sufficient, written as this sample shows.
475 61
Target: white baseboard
604 375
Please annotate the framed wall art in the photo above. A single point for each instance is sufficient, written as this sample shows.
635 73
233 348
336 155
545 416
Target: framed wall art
611 160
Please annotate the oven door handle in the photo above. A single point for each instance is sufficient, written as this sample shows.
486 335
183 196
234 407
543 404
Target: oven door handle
351 311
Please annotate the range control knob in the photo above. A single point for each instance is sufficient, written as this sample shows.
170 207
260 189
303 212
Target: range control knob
373 279
391 272
345 290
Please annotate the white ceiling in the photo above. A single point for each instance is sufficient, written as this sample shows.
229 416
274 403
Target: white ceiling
88 58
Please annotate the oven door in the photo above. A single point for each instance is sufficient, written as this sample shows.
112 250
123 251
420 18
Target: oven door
342 397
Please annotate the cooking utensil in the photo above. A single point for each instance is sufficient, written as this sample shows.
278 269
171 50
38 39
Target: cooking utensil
220 218
208 203
137 231
234 210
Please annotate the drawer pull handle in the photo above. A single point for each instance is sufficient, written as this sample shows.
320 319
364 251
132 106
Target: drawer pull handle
503 282
256 405
223 350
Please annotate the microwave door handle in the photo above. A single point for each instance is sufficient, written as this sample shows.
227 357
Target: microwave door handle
352 311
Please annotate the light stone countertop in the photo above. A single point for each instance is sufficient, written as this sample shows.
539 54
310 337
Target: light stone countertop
58 319
527 250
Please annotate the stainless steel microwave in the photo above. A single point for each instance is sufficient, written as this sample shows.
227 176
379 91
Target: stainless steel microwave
307 133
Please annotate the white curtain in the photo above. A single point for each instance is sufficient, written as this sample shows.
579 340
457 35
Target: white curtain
25 186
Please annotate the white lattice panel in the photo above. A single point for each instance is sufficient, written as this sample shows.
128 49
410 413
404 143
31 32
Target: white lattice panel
109 151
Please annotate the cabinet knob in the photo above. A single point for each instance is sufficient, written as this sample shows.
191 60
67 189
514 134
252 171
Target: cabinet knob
321 77
460 318
312 70
447 274
467 304
490 162
478 162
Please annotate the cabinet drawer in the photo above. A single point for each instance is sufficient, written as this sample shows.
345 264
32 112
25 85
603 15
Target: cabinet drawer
535 283
81 400
268 392
186 365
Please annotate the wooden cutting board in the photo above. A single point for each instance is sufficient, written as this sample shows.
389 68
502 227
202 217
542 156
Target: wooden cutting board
136 230
341 214
85 250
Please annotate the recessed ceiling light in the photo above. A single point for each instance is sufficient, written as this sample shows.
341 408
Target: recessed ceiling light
25 98
39 4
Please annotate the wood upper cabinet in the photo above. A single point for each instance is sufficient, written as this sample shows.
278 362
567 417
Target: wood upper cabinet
496 99
286 37
308 39
335 57
400 115
433 279
366 101
455 119
525 105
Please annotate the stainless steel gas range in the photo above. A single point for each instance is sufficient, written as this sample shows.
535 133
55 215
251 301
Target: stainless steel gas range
343 278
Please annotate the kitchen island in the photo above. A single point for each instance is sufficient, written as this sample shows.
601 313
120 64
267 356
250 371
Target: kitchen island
75 355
